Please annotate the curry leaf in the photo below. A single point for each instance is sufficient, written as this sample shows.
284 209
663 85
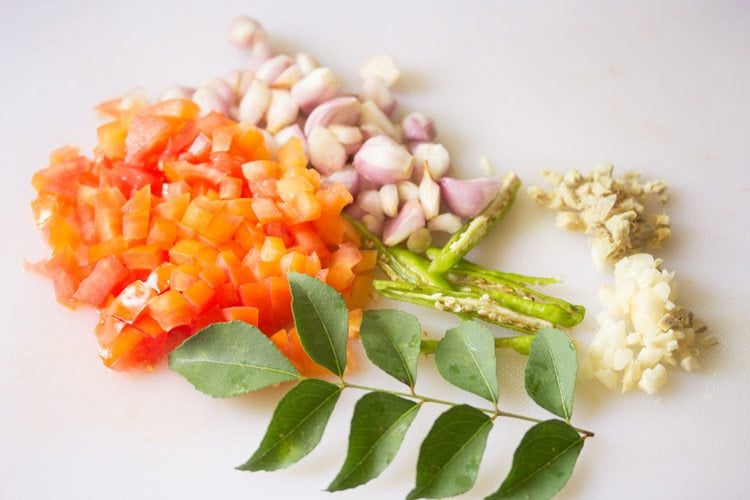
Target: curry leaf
227 359
466 358
379 424
391 340
450 455
551 372
542 463
321 318
296 426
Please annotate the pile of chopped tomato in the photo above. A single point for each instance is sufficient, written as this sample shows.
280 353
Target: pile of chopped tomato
179 221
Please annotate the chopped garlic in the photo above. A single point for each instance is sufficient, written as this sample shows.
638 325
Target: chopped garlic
642 330
609 210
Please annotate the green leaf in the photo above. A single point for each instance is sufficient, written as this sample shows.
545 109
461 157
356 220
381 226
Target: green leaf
450 455
551 372
379 424
391 340
542 463
466 358
322 321
227 359
296 427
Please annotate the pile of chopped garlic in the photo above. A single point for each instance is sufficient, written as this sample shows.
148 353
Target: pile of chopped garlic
611 211
642 329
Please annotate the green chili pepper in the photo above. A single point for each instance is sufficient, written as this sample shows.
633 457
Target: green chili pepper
466 304
477 228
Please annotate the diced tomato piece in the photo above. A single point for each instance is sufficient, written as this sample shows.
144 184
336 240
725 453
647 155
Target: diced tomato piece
307 238
107 213
106 276
146 135
227 295
256 295
281 300
347 254
115 247
162 233
333 198
60 178
183 276
170 310
129 179
173 208
135 215
280 230
184 109
159 277
255 171
202 172
213 275
200 296
143 257
292 154
184 251
230 188
66 275
305 207
129 304
242 313
247 143
339 276
112 140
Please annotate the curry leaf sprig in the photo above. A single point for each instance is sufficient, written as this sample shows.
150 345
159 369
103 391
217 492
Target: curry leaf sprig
227 359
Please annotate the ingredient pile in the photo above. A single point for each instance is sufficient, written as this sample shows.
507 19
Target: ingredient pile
193 210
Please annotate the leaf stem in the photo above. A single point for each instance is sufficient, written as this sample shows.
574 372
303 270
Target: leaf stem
494 412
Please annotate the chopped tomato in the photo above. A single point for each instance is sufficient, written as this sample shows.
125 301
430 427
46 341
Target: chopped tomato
180 221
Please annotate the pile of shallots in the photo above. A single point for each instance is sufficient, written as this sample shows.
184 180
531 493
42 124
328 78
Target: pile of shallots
393 167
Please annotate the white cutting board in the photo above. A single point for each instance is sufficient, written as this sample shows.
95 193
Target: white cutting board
660 87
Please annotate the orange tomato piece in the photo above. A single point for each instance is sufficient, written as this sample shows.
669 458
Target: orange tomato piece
242 313
170 310
107 274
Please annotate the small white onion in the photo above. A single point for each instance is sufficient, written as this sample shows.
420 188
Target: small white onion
467 198
383 161
409 219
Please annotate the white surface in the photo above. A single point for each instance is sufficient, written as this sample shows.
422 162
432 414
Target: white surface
660 87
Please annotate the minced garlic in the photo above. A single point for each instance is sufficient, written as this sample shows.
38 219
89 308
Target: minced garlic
642 329
609 210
